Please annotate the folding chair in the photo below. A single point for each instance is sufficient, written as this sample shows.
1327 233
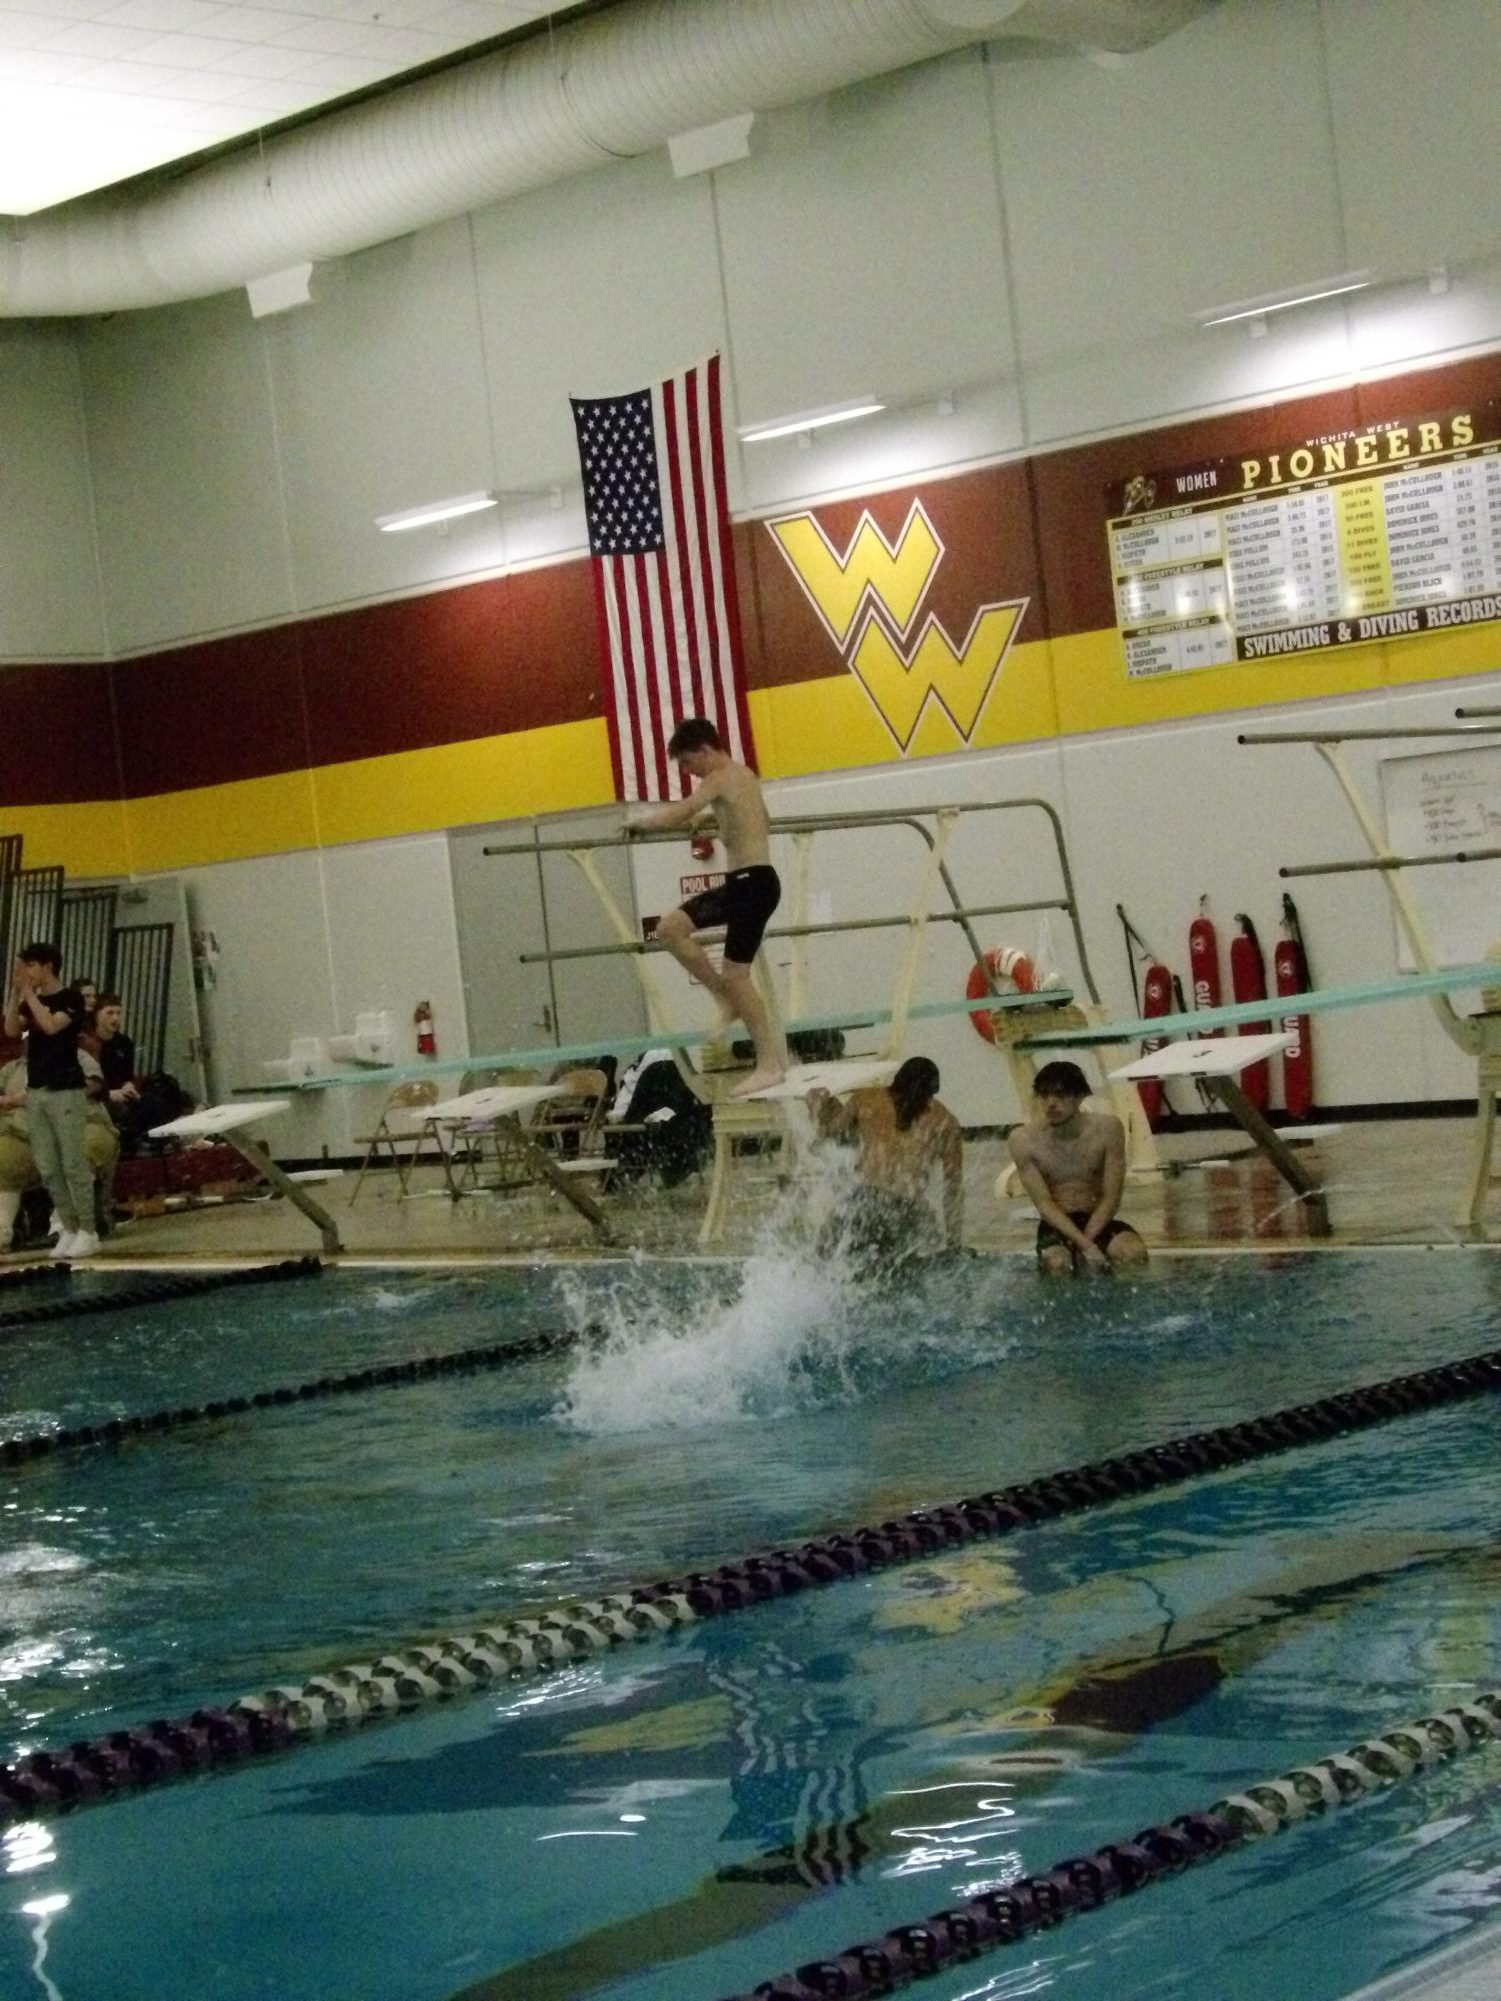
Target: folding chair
389 1138
465 1148
570 1125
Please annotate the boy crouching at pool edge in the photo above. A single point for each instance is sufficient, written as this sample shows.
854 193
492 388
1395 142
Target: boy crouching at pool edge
1073 1165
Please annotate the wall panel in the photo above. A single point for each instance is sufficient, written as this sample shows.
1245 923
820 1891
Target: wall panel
187 477
49 583
380 405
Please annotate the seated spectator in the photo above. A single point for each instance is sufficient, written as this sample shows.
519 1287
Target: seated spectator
116 1054
18 1169
90 993
667 1131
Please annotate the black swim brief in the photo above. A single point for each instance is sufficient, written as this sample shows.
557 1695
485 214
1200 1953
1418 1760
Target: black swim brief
743 905
1050 1239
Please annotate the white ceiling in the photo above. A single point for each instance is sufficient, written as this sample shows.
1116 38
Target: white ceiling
93 91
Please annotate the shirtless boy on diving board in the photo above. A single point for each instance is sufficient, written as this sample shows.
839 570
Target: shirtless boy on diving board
743 906
1073 1165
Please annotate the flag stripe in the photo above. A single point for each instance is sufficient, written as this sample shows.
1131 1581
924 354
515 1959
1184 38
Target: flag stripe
679 560
682 484
729 586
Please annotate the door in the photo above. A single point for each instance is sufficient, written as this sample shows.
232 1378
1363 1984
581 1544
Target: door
515 908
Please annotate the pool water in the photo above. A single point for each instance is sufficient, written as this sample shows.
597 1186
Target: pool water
679 1820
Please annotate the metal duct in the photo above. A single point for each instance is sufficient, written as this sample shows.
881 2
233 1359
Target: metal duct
616 85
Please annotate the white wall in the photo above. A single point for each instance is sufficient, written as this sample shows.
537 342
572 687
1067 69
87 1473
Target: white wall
49 591
306 942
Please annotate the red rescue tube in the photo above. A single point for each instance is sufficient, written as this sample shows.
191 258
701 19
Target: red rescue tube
1290 971
1009 972
1248 983
1156 998
1204 960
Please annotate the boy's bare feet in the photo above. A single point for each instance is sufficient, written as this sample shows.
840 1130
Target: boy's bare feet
759 1080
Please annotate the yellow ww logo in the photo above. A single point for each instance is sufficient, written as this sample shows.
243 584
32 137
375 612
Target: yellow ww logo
875 590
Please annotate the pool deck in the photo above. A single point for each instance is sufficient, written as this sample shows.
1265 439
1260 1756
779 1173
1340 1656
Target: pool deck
1396 1183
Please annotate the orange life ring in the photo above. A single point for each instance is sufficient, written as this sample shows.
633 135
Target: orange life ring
1010 973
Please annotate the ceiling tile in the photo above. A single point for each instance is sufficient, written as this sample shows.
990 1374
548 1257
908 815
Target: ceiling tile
60 10
162 16
339 73
256 62
33 66
94 38
25 31
242 24
129 79
274 97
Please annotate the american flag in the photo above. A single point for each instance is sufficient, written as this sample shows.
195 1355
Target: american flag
664 577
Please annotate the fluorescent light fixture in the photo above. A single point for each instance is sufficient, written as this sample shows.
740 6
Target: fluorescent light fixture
809 420
1280 302
435 510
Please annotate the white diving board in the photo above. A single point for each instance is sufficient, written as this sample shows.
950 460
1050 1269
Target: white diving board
1221 1056
804 1078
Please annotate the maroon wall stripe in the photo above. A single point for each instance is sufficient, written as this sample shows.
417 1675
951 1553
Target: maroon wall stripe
56 735
521 652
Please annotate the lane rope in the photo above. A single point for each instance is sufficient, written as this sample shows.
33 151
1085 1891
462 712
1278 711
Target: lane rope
33 1274
179 1286
411 1677
1084 1882
24 1447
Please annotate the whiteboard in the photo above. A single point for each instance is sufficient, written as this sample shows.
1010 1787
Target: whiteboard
1445 803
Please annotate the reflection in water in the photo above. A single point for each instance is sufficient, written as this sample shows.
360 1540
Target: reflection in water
44 1910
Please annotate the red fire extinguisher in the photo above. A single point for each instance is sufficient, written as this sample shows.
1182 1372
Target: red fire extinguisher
1156 998
1248 983
1204 960
422 1019
1290 967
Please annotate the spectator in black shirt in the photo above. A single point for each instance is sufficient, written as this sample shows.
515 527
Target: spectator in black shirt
51 1016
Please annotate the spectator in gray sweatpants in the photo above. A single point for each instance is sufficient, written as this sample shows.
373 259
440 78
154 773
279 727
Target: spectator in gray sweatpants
50 1016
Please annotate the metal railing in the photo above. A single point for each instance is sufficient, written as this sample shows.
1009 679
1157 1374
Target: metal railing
910 816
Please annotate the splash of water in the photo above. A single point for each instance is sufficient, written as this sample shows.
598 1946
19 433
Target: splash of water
781 1341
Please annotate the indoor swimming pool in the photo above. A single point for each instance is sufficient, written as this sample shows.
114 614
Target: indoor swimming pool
681 1819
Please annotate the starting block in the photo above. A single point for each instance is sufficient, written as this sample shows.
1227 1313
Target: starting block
225 1122
1217 1064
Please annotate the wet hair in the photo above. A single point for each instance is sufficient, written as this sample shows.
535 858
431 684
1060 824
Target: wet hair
693 733
913 1089
1063 1080
42 954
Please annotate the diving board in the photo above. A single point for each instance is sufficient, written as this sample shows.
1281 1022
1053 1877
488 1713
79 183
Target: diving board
803 1079
1317 1000
1217 1063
